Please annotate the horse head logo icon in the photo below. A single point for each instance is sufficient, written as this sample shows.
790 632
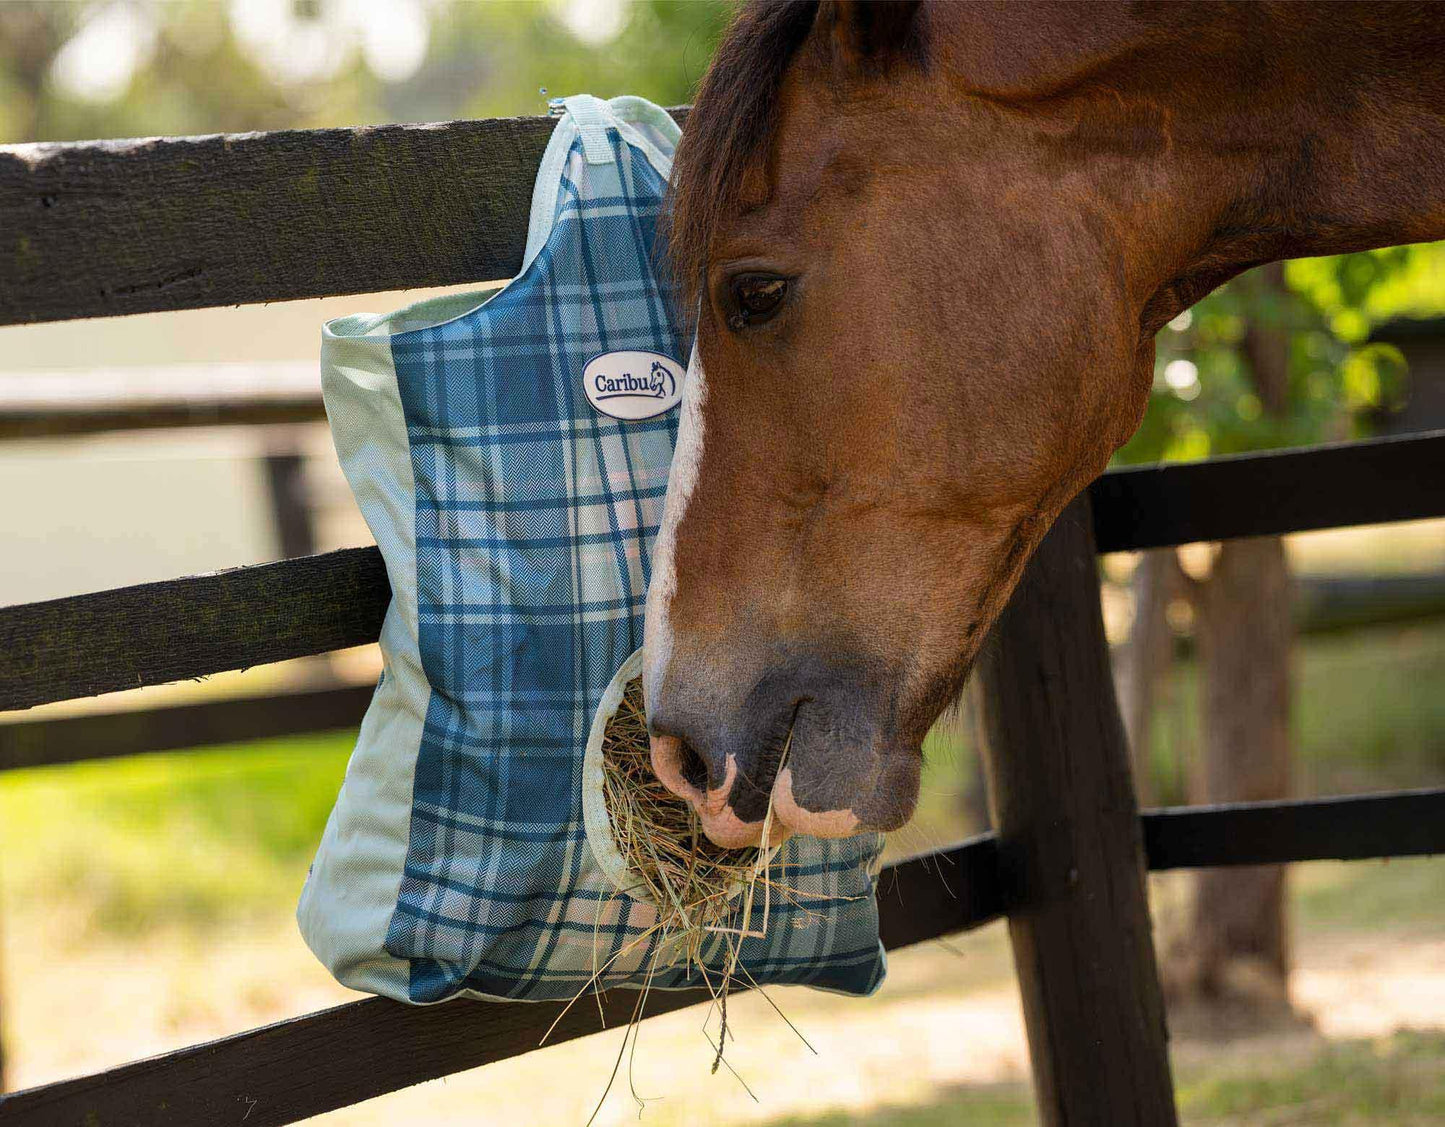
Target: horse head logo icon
660 381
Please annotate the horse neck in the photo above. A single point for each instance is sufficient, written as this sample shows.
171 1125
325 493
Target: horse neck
1330 136
1284 130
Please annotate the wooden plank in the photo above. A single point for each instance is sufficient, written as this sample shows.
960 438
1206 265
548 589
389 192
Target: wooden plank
1343 602
44 403
70 739
299 1068
19 424
34 743
1070 847
955 889
1268 494
182 628
1399 824
338 1057
290 493
101 228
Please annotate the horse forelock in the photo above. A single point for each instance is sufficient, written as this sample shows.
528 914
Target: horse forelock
733 119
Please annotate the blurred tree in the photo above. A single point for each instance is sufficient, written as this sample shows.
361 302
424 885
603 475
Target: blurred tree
655 49
126 68
1140 664
1277 358
30 36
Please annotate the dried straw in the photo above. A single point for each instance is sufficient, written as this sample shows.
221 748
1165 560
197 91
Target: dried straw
692 881
700 889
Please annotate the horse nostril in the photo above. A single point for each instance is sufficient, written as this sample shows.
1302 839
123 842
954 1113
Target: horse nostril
690 763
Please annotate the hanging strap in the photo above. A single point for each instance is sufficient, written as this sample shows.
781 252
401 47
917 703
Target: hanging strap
583 117
591 116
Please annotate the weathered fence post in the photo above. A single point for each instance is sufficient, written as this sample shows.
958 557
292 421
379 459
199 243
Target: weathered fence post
291 505
1070 846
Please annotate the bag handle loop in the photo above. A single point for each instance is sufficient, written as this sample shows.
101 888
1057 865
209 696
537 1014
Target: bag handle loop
591 115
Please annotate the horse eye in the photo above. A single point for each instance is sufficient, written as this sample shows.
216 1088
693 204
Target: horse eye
756 298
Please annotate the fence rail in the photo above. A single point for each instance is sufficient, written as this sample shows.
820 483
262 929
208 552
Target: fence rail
1271 493
68 402
302 1067
182 628
1358 827
51 741
1322 603
188 222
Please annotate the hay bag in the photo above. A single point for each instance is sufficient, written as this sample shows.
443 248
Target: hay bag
509 451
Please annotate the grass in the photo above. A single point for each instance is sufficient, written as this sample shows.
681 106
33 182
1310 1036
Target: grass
1402 892
1397 1080
1369 705
1368 713
150 842
978 1105
1393 1080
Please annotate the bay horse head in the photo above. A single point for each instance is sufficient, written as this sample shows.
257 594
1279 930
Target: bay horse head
929 246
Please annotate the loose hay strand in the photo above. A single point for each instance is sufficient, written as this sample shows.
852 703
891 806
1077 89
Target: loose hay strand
692 881
700 890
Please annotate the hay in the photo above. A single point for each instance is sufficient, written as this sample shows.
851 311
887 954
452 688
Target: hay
693 882
700 889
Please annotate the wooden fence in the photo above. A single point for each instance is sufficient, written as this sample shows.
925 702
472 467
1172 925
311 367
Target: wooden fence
105 228
49 404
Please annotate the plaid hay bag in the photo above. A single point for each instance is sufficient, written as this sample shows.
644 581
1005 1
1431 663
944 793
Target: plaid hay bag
510 454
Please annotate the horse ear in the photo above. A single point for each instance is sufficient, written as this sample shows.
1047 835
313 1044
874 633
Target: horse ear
876 31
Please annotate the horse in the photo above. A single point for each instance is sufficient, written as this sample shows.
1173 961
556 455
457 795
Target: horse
928 246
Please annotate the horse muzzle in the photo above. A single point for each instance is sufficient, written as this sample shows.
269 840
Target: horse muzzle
805 742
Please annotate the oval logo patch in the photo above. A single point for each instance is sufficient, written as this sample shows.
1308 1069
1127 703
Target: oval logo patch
632 385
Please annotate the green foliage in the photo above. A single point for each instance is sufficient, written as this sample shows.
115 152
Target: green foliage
1338 382
1354 292
660 54
1206 398
199 75
197 79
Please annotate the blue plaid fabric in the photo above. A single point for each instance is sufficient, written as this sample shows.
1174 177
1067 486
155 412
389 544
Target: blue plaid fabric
534 522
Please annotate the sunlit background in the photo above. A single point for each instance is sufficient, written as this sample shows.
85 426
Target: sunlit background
145 903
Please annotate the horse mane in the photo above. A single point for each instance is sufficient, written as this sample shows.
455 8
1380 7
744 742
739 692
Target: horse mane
733 119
